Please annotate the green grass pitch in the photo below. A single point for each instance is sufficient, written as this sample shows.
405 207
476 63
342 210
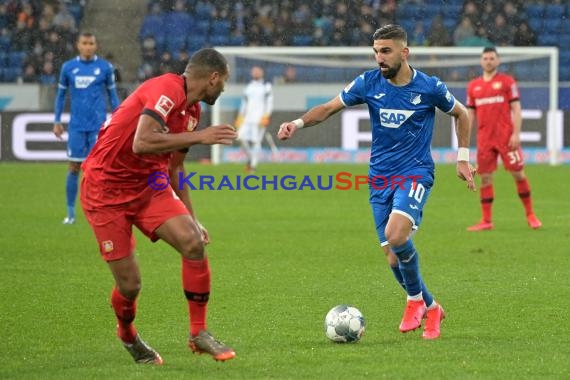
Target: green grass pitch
280 261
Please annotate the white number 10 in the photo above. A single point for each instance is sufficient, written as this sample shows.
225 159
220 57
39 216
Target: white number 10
417 191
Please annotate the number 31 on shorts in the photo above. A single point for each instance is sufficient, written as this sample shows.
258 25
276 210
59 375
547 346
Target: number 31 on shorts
514 157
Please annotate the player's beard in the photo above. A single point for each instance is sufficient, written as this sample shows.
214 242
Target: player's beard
211 99
392 71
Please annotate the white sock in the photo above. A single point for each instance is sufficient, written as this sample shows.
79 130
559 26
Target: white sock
432 306
417 297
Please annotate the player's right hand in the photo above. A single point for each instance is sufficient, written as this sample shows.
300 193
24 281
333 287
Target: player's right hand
466 172
58 130
286 130
218 134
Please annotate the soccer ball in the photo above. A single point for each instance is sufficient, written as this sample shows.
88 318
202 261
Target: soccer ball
344 324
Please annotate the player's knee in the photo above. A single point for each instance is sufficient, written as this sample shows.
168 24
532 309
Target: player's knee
129 287
396 238
518 175
486 180
74 167
193 247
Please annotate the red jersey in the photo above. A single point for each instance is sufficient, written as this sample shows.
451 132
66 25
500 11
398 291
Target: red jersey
112 163
492 103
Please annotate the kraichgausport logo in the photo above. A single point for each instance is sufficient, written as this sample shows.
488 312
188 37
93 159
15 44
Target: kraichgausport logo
339 181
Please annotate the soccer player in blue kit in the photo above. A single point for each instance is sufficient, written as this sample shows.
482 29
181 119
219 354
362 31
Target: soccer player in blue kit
89 79
401 101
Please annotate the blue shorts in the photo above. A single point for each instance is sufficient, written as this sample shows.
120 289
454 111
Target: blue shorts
79 144
407 198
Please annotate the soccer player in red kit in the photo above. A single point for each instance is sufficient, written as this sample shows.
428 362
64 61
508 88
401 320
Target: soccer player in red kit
145 138
494 106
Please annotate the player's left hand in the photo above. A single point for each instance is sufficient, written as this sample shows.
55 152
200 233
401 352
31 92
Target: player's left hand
514 141
467 172
204 232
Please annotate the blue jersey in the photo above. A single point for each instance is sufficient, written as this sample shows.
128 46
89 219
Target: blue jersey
88 82
402 119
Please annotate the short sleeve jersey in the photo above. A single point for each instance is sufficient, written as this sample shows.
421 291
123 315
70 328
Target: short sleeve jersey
112 162
492 103
402 119
88 83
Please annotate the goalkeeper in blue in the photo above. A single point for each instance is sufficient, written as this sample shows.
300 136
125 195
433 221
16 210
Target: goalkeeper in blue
89 80
401 102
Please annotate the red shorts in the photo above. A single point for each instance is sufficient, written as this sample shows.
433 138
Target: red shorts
487 158
113 224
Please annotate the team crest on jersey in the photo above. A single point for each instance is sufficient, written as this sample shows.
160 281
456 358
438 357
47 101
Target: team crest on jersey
192 124
107 246
97 71
497 85
415 99
164 105
390 118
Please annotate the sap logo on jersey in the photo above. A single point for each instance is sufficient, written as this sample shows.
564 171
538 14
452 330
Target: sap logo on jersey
83 81
394 118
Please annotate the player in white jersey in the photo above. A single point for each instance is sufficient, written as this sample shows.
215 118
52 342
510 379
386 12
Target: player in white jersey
402 102
254 116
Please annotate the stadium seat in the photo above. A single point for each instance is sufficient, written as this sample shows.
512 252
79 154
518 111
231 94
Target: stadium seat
564 41
201 26
451 11
175 43
552 25
236 40
76 10
11 74
16 58
177 24
220 27
547 39
407 24
302 40
151 26
565 27
535 11
218 40
196 42
554 11
203 11
450 23
407 12
5 43
535 24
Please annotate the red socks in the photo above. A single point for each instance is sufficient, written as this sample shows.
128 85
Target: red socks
523 188
125 310
196 284
487 195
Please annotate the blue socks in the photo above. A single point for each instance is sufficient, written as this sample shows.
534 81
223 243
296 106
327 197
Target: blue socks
410 272
71 186
398 276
